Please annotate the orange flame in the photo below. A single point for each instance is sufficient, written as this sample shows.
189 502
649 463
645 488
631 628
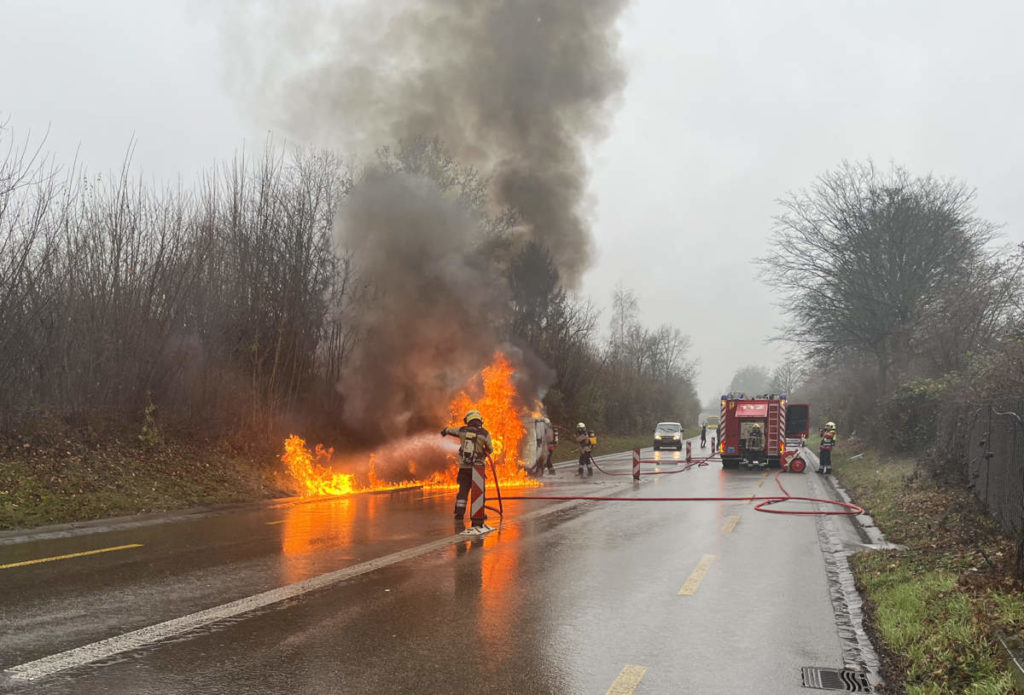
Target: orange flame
314 479
503 416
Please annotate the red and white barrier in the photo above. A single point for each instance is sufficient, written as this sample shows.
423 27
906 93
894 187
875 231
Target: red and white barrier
689 457
476 495
636 464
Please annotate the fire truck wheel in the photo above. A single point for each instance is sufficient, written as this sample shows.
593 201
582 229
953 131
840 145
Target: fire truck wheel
797 465
730 463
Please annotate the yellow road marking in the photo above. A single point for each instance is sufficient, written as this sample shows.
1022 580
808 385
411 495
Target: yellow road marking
68 557
765 474
271 523
749 500
730 523
695 578
760 483
629 678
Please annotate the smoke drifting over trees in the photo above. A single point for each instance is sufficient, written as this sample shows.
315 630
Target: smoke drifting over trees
513 90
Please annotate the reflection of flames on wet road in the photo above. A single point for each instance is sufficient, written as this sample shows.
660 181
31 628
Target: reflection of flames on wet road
422 460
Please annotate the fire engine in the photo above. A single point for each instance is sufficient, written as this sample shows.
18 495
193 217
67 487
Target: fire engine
764 431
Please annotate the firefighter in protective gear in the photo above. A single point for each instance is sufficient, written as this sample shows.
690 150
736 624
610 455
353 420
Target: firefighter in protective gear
755 438
586 446
828 441
475 446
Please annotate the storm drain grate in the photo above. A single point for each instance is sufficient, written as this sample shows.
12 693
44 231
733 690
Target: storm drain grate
836 679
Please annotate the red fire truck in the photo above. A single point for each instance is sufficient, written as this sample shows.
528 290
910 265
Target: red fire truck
762 431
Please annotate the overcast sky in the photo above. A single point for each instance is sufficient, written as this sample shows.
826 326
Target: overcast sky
728 106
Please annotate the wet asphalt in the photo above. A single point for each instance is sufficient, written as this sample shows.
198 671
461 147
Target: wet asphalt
561 598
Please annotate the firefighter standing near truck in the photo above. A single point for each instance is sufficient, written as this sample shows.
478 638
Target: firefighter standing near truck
475 446
586 445
828 441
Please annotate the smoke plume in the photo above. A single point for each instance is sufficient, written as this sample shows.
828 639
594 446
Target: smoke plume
512 88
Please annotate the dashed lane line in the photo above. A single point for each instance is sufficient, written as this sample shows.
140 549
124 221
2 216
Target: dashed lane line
697 576
11 565
749 499
730 524
144 637
629 678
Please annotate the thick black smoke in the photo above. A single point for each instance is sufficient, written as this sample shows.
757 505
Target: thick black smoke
514 88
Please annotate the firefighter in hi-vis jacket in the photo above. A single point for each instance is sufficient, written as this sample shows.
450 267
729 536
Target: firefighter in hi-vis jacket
474 447
828 441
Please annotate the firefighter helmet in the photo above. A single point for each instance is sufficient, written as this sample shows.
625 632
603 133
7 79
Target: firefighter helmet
473 415
830 425
580 427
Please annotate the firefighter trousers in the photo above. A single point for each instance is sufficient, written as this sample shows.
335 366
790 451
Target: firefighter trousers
825 459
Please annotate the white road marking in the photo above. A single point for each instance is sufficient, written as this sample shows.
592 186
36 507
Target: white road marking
136 639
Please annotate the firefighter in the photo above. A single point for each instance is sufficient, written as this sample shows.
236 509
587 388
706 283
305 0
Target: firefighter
586 446
545 440
703 435
828 441
474 447
755 440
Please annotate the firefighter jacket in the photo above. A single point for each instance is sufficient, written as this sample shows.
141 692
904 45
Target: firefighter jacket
828 440
583 440
475 444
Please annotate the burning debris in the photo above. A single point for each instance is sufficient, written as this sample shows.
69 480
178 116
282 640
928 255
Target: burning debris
422 460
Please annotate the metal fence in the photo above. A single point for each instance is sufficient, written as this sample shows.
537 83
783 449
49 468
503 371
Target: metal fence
989 437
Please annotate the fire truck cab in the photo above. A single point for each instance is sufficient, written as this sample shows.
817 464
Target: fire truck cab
764 431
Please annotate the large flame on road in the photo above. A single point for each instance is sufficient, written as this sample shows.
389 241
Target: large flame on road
503 412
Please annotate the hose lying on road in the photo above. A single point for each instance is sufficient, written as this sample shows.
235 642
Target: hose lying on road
845 508
689 464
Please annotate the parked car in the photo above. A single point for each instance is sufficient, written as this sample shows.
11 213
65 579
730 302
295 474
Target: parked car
668 435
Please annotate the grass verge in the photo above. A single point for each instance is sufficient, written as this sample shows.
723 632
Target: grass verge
75 481
933 609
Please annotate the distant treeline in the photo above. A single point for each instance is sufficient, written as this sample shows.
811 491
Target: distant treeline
224 309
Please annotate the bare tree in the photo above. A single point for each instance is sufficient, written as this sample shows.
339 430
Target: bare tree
789 376
862 256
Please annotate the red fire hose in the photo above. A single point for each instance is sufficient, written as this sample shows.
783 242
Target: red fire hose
845 508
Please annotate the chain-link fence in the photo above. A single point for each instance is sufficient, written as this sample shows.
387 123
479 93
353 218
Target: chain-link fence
989 437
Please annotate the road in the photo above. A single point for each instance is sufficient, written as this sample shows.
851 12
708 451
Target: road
375 593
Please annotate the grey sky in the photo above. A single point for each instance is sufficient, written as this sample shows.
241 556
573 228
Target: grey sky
729 105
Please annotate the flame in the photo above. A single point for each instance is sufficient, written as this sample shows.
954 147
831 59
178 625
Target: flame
503 418
313 479
503 415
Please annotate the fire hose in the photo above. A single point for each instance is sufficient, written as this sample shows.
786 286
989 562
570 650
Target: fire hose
689 464
764 502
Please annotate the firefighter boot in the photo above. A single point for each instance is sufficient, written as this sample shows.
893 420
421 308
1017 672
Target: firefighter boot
579 471
590 471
